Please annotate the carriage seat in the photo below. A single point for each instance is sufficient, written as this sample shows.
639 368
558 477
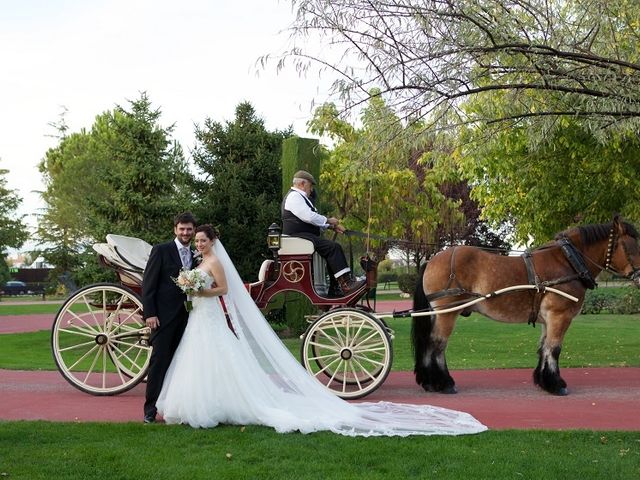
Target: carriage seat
301 246
264 268
128 255
133 251
295 246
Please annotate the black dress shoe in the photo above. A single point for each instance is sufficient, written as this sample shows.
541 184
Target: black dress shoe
150 418
348 284
335 292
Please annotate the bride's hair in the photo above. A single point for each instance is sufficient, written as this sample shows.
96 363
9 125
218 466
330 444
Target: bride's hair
209 230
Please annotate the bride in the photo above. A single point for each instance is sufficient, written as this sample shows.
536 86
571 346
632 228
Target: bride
241 373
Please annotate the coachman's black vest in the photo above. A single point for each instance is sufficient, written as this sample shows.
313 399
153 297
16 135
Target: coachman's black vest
292 225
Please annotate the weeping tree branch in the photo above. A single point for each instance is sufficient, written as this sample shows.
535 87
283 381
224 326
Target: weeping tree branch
572 57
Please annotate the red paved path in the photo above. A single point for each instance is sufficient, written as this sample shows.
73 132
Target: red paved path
26 323
599 399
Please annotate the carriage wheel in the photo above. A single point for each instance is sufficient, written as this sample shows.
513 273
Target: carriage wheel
99 340
348 351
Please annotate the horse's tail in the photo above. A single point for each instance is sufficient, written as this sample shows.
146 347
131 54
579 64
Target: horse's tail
420 328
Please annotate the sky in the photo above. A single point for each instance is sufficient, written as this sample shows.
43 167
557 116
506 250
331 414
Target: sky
195 59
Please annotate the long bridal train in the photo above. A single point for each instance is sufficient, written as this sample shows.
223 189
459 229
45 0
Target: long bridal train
218 377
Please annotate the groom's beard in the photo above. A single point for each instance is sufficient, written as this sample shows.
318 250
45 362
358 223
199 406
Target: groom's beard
186 242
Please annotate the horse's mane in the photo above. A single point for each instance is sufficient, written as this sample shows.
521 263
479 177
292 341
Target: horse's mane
594 233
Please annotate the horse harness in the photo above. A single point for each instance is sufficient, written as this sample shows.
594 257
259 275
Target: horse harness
571 253
576 261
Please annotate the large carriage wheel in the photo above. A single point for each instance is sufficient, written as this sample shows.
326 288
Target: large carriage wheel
348 351
99 341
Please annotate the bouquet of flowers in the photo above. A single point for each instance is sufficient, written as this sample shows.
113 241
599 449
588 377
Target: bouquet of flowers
190 282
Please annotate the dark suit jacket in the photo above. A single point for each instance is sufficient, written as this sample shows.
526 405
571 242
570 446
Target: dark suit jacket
160 296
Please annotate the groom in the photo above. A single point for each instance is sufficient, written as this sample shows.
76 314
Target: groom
163 305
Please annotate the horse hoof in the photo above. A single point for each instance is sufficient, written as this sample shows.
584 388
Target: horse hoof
449 390
561 392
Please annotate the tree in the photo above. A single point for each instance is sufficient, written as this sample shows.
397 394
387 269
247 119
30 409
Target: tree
391 180
571 178
239 183
13 231
570 58
548 92
124 176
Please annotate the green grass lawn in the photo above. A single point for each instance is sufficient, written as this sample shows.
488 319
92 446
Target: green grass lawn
42 450
30 308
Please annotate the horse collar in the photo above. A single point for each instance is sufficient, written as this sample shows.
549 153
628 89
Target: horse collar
576 260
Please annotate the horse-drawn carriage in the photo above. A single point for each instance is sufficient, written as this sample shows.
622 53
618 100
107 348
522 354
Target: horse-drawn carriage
101 345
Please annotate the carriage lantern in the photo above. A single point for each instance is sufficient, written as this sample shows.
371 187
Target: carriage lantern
273 238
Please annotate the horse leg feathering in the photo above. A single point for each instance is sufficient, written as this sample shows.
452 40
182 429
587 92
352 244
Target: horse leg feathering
429 349
547 373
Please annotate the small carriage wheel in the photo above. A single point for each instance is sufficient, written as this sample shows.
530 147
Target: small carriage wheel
99 340
348 351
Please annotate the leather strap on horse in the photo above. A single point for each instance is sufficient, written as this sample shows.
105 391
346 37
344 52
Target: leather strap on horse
452 292
575 259
533 279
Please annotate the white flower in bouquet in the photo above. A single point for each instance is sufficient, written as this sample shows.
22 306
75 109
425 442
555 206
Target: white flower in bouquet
190 282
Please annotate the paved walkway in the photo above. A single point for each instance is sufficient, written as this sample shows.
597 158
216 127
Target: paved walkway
26 323
599 399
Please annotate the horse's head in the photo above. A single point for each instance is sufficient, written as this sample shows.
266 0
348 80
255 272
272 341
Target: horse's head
623 252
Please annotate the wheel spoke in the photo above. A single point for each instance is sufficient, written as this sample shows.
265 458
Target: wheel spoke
129 328
91 311
118 368
78 345
80 332
104 367
340 361
122 354
320 357
337 331
370 349
373 334
91 350
345 375
329 337
336 349
93 364
363 370
356 376
80 319
369 360
337 359
356 335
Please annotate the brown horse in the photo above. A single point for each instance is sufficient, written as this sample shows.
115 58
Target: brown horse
458 275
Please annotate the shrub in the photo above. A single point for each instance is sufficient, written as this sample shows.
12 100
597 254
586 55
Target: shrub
385 277
628 303
617 300
407 282
596 301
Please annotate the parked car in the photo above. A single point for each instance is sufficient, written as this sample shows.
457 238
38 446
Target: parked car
15 287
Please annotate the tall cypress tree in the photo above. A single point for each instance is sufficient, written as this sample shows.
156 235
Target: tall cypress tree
239 184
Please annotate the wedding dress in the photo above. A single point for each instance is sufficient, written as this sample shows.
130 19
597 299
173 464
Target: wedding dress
219 376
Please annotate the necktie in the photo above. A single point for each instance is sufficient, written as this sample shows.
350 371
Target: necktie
185 256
